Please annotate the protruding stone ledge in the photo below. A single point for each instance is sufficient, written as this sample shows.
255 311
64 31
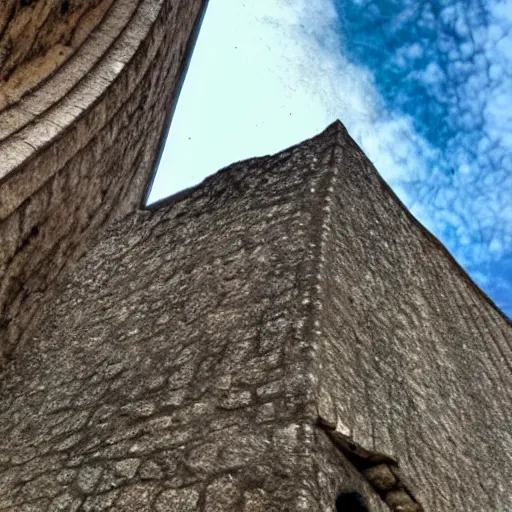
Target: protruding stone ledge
94 50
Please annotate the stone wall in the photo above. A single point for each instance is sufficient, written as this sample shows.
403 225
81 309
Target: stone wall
280 337
79 149
173 371
37 36
413 359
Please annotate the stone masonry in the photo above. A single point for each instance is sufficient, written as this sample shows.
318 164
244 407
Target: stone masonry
36 37
78 150
283 334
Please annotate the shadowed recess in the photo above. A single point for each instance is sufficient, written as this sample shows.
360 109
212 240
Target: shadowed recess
350 502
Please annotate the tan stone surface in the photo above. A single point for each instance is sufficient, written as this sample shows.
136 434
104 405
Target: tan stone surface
78 150
37 36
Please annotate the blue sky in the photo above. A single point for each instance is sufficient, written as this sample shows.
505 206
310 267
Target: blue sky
424 87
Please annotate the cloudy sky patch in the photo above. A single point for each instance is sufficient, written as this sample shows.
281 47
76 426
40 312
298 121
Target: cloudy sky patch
424 88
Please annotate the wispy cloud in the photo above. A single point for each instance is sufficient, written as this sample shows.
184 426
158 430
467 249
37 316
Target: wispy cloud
445 68
424 89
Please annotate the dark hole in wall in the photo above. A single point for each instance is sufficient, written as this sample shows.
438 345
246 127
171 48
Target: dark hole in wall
380 471
350 502
64 7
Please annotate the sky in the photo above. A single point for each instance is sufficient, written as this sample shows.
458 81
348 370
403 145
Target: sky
425 88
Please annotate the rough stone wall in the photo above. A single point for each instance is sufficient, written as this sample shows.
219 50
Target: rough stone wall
244 347
78 150
173 372
37 36
414 361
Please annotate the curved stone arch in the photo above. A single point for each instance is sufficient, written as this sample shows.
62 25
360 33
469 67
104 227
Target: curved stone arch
38 36
59 84
79 149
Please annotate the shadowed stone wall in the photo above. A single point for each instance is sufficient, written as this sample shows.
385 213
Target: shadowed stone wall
78 150
259 343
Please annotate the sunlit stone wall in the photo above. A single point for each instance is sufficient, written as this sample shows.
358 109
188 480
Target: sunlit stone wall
78 149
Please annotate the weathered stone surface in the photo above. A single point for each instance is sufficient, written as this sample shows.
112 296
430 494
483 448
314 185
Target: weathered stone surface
185 500
65 169
281 334
416 355
37 36
381 477
167 345
185 362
